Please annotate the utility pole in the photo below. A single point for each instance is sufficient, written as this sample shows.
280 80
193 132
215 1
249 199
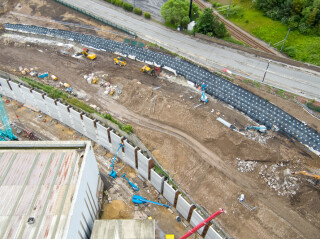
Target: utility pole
134 4
265 73
190 8
285 39
229 9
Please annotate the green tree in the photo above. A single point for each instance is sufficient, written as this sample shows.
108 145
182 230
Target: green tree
209 25
312 17
297 6
176 12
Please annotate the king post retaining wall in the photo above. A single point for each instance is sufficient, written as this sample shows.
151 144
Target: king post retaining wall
104 136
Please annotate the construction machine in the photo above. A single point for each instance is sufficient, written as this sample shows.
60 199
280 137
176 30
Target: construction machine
203 97
261 128
316 177
86 53
5 133
132 185
151 70
113 173
119 61
136 199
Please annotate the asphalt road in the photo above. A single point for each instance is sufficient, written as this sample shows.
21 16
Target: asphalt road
297 80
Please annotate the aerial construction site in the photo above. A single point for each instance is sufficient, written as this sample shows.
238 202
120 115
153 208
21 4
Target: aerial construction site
168 148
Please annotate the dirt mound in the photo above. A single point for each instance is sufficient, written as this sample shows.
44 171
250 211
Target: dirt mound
117 209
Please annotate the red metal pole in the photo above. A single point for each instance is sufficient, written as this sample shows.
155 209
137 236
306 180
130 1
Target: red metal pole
196 228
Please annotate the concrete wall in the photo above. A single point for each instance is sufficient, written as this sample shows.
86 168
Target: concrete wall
183 207
99 134
85 208
169 193
195 220
212 234
156 181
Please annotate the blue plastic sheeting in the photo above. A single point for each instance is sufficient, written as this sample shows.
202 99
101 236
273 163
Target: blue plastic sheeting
258 109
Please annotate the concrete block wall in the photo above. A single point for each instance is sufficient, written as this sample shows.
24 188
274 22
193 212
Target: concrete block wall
169 193
144 165
108 139
196 218
129 157
183 207
156 181
212 234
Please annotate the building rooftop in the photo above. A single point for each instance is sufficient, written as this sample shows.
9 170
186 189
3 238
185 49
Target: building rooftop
123 229
37 184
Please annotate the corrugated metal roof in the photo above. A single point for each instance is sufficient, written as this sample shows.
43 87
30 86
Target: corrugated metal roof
124 229
37 183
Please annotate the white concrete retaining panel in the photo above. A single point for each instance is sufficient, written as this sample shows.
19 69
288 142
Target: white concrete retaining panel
129 157
143 165
195 220
212 234
77 122
169 193
28 96
103 136
183 207
41 105
115 142
65 115
156 181
90 130
5 89
17 93
52 108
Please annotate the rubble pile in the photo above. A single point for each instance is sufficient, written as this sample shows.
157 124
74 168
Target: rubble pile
258 137
246 166
274 176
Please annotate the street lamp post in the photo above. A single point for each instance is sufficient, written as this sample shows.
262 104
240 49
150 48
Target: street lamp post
265 73
229 9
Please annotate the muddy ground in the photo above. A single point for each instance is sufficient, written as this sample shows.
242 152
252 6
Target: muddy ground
209 161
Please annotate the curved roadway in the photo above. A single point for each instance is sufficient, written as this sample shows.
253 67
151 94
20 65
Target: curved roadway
297 80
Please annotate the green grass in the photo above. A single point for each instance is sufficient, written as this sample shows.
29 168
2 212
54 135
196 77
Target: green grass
58 94
298 46
312 107
281 93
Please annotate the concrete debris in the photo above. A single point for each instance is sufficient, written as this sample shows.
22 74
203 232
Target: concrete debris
246 166
256 136
284 185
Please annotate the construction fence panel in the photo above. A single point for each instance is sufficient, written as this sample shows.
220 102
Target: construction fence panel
103 139
212 234
17 93
169 193
183 207
41 105
89 128
5 89
156 180
115 144
65 115
28 96
52 108
129 154
195 220
77 121
143 165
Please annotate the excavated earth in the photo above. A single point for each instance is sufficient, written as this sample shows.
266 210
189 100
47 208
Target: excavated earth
205 158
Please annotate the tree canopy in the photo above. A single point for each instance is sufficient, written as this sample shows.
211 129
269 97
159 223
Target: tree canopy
176 12
209 24
303 15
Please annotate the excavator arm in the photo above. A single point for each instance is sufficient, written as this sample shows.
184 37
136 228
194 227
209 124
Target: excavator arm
308 174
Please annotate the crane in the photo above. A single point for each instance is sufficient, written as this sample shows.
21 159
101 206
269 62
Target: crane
133 186
203 97
113 173
7 132
201 224
136 199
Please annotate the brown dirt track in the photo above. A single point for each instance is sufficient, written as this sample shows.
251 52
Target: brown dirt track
198 152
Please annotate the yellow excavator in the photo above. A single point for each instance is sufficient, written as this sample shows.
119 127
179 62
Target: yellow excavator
119 61
86 53
317 177
151 70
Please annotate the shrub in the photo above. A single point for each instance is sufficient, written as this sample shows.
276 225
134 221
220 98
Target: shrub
290 51
108 1
137 11
127 6
113 1
236 12
147 15
119 3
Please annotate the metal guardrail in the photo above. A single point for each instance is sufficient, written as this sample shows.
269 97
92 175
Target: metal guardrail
307 109
98 18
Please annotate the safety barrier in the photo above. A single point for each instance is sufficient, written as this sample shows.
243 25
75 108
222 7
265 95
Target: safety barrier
258 109
111 24
105 136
